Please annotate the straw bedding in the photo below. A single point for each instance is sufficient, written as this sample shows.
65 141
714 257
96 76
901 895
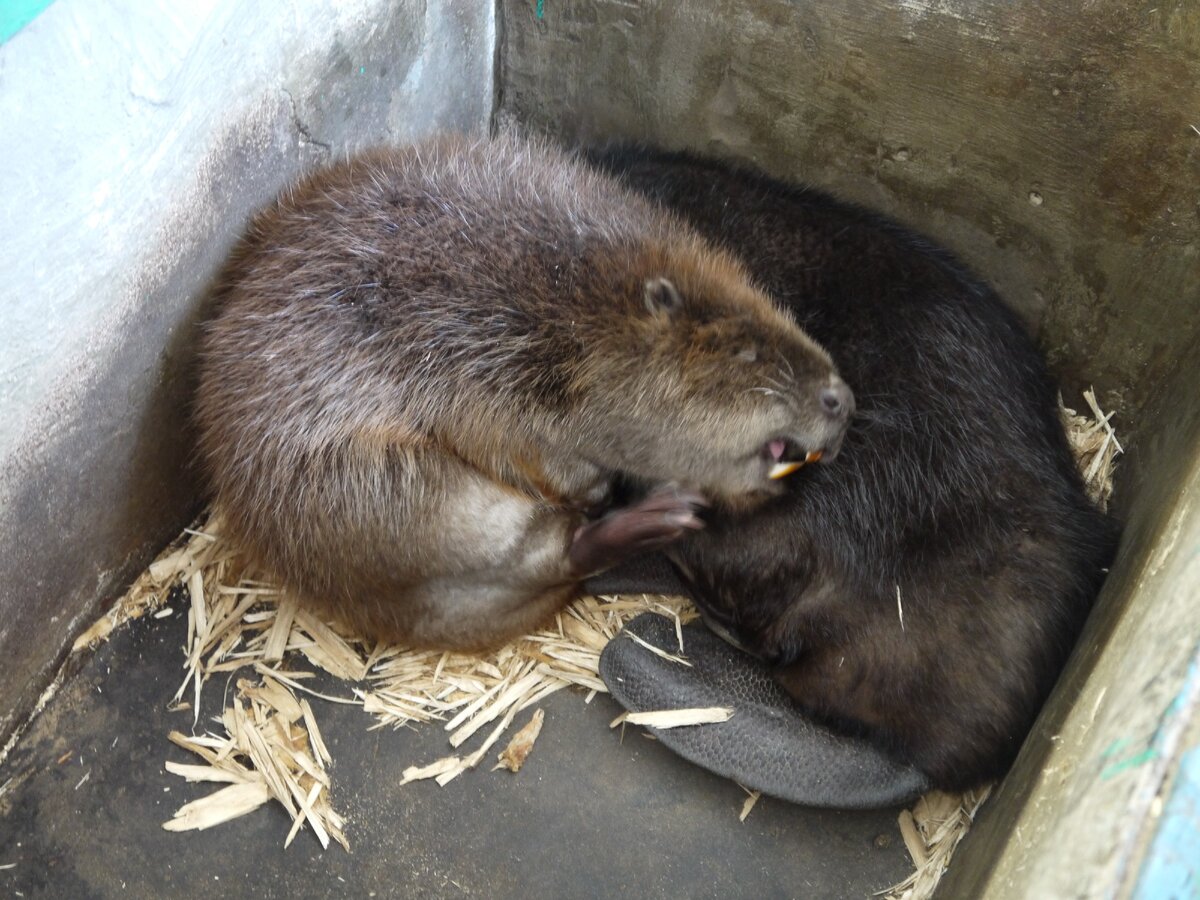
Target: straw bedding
267 747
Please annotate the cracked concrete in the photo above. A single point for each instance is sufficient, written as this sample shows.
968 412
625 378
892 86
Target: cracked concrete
305 136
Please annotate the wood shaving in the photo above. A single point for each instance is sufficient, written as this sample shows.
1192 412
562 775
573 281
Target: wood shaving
220 807
189 552
752 798
675 718
670 657
1095 445
514 755
433 770
931 831
272 750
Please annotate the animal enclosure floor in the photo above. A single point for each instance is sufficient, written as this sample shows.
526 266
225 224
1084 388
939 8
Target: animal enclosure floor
84 793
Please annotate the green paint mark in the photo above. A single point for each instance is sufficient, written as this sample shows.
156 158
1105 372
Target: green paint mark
362 70
16 14
1172 867
1116 747
1126 764
541 9
1176 706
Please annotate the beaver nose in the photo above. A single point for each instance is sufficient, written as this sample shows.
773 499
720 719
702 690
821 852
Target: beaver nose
837 401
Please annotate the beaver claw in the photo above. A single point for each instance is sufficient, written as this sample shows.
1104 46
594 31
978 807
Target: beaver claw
662 517
769 744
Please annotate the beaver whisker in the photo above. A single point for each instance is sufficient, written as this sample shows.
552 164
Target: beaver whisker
791 372
780 386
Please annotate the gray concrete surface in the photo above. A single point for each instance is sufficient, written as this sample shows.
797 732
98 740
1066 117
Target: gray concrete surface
589 815
137 137
1059 154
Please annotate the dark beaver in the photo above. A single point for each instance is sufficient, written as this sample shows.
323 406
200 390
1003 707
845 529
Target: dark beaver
429 364
926 590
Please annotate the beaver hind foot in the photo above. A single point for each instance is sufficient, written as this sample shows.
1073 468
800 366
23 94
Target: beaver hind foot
768 745
650 524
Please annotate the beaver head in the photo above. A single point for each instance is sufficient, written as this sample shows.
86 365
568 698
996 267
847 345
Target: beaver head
710 384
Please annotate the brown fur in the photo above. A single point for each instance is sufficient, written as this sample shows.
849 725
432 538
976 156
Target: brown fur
429 362
924 591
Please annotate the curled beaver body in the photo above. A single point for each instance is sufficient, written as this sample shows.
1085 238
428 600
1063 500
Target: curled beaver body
429 366
926 590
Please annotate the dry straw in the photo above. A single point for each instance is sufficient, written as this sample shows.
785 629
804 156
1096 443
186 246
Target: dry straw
266 745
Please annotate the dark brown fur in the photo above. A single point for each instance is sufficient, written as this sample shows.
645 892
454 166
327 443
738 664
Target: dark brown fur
429 363
927 588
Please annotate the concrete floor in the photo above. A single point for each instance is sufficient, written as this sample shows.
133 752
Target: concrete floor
589 815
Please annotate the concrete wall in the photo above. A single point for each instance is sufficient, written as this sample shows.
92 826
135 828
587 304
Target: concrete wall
1056 148
1051 146
1078 812
137 136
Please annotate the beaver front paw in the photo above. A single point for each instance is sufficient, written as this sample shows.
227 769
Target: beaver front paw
662 517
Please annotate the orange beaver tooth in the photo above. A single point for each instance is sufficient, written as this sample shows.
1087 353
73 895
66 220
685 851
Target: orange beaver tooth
780 470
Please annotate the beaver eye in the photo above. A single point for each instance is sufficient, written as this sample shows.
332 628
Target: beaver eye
750 354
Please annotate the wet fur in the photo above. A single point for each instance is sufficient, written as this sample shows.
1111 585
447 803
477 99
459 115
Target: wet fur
955 486
430 363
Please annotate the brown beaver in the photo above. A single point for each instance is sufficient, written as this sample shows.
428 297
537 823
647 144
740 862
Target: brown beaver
924 591
430 365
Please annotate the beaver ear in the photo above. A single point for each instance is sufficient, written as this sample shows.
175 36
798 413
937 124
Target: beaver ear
662 297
